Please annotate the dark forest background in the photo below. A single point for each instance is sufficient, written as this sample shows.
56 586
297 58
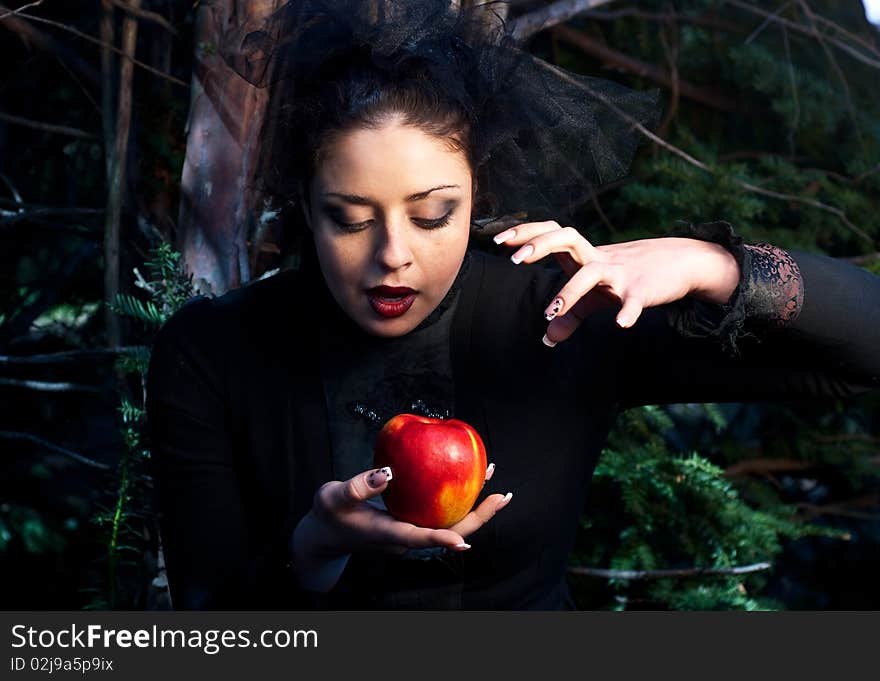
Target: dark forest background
126 156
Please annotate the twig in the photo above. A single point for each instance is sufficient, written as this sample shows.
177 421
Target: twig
67 356
12 435
764 24
96 41
763 466
810 202
837 71
666 574
843 509
146 15
10 13
19 215
52 387
662 17
527 25
601 213
671 53
803 30
31 35
48 127
623 61
794 92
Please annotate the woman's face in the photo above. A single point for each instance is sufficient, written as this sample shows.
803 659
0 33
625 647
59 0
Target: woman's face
390 207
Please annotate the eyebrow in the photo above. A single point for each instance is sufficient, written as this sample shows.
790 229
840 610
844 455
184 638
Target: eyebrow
364 201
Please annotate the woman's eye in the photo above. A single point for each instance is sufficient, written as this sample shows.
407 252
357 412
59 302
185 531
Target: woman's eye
352 226
424 223
435 223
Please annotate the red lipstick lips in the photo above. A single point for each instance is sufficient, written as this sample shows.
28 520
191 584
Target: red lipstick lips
391 301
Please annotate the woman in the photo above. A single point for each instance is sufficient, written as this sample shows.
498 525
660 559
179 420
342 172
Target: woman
264 403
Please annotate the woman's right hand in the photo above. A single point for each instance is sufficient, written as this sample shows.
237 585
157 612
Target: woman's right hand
341 521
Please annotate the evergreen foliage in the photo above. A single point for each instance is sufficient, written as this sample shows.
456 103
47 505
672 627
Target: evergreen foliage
127 523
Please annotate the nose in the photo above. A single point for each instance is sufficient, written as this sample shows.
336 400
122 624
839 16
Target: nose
393 249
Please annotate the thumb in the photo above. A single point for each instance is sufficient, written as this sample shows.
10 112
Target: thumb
366 485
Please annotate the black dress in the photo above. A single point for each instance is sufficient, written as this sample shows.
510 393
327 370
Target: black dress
258 397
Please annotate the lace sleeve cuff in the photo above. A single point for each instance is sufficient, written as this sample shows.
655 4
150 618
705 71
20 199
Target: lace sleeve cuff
770 293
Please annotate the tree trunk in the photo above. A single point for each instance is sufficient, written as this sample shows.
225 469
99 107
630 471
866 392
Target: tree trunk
218 207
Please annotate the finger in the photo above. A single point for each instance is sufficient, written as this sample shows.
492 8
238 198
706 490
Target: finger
490 471
387 530
358 489
582 283
630 312
522 232
560 241
562 328
482 514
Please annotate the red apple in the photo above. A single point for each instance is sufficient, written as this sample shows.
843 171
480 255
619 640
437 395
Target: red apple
438 468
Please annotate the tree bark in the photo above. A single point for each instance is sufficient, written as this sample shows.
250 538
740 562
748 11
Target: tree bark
218 206
116 189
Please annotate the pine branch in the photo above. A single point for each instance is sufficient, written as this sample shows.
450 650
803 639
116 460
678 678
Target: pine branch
666 574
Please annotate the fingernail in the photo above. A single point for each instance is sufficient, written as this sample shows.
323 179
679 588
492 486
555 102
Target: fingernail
549 343
501 237
522 254
504 501
622 322
379 477
462 547
491 467
553 310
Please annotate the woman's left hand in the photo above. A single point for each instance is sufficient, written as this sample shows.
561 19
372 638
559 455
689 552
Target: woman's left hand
634 274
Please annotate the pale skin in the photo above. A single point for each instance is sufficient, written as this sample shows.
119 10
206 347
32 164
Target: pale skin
385 237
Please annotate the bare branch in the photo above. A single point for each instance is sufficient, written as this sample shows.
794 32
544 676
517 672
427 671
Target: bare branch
10 13
837 70
96 41
67 356
558 12
623 61
12 435
146 15
20 215
52 387
666 574
764 24
48 127
31 35
813 33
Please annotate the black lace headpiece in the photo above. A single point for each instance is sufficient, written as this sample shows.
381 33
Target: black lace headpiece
542 136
